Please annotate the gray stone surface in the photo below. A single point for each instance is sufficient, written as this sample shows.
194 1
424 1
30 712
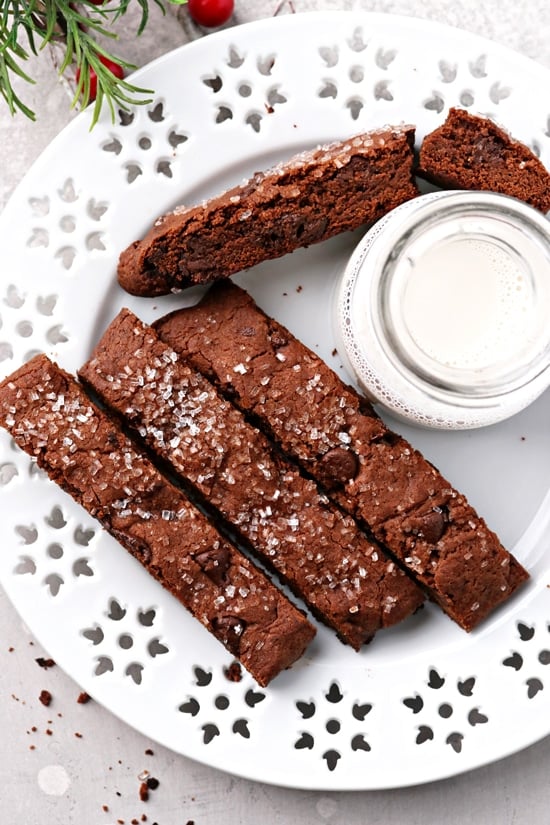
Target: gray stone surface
92 760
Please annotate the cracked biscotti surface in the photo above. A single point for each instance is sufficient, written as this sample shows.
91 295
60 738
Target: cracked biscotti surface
471 152
346 580
84 451
309 198
372 473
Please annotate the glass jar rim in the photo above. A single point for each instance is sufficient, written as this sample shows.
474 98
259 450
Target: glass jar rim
435 216
355 311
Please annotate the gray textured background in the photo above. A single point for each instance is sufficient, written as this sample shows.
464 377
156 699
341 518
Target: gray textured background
103 763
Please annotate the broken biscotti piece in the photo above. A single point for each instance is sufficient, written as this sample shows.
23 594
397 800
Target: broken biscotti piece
345 579
372 473
83 450
471 152
311 197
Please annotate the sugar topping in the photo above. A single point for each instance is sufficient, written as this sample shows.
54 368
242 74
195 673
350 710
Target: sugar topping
209 444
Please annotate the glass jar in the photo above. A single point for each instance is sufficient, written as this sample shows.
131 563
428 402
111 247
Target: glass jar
443 311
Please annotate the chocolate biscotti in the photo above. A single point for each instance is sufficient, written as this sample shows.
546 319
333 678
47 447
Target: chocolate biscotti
471 152
311 197
372 473
83 450
346 580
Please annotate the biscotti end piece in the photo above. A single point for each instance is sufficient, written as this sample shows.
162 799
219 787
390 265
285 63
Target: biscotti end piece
344 578
309 198
374 475
472 152
83 450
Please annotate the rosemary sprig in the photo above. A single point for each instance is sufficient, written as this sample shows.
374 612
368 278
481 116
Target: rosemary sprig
77 27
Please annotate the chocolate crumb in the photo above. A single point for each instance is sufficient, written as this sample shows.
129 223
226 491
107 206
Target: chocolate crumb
134 821
105 808
11 649
49 732
334 352
149 752
83 698
34 728
143 792
118 793
45 697
233 673
190 822
78 735
144 817
32 747
120 821
299 288
152 783
46 663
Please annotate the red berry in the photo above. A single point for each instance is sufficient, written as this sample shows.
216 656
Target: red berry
114 68
210 13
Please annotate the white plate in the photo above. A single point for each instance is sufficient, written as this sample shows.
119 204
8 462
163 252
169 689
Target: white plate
424 700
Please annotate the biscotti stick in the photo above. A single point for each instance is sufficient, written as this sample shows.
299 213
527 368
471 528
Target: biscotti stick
82 449
373 474
311 197
345 579
471 152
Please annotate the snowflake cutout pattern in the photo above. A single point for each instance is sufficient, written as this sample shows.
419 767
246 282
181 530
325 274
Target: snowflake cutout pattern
477 69
257 95
333 726
55 225
49 550
149 149
29 324
209 706
530 659
366 72
451 710
117 632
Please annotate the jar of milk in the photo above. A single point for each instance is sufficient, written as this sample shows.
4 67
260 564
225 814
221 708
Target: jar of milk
443 312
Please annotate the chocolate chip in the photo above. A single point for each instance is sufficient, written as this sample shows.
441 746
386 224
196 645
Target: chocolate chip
278 340
313 230
431 526
337 467
112 438
137 547
229 630
214 563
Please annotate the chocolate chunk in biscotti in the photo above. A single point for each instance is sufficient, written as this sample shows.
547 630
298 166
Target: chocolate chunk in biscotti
311 197
471 152
395 492
344 578
83 450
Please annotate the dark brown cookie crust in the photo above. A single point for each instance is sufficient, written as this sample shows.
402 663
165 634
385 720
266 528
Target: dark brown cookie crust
471 152
85 452
394 492
311 197
346 580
